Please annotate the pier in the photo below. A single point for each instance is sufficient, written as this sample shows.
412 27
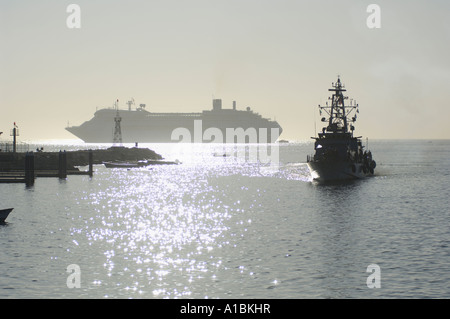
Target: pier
26 167
11 172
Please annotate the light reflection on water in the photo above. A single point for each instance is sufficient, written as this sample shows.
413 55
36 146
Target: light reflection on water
156 224
219 227
163 230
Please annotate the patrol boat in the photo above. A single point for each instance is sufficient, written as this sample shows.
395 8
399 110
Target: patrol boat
338 154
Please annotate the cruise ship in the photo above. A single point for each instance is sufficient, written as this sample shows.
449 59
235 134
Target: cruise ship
137 125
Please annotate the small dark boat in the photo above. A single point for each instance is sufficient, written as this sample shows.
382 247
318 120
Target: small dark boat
4 214
159 162
221 155
137 164
124 164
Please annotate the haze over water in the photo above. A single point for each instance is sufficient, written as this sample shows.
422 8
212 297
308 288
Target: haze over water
277 57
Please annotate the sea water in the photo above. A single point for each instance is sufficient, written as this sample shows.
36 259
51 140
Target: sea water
218 227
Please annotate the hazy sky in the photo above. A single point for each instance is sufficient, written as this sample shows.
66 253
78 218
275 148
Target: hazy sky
277 56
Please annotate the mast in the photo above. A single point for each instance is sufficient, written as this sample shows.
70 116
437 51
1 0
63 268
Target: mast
337 115
117 130
338 112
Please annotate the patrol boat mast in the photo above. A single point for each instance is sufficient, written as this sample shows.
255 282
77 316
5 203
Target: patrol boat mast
338 112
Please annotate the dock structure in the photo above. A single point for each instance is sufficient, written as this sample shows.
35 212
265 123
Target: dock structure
26 167
31 171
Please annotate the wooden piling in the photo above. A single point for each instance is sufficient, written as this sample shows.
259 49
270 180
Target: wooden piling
91 162
62 168
29 169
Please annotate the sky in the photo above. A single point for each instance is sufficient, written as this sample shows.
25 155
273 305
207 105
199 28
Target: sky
277 56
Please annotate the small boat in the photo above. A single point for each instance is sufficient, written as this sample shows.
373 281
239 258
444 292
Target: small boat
4 214
138 163
338 154
159 162
221 155
124 164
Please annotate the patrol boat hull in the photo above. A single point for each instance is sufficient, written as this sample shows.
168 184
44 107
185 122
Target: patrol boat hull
335 171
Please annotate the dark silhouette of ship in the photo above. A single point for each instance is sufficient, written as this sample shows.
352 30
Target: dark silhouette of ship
338 154
140 125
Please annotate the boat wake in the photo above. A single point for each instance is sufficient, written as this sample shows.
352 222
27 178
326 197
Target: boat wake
289 171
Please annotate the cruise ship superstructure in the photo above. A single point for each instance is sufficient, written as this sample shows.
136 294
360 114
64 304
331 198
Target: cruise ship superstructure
140 125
